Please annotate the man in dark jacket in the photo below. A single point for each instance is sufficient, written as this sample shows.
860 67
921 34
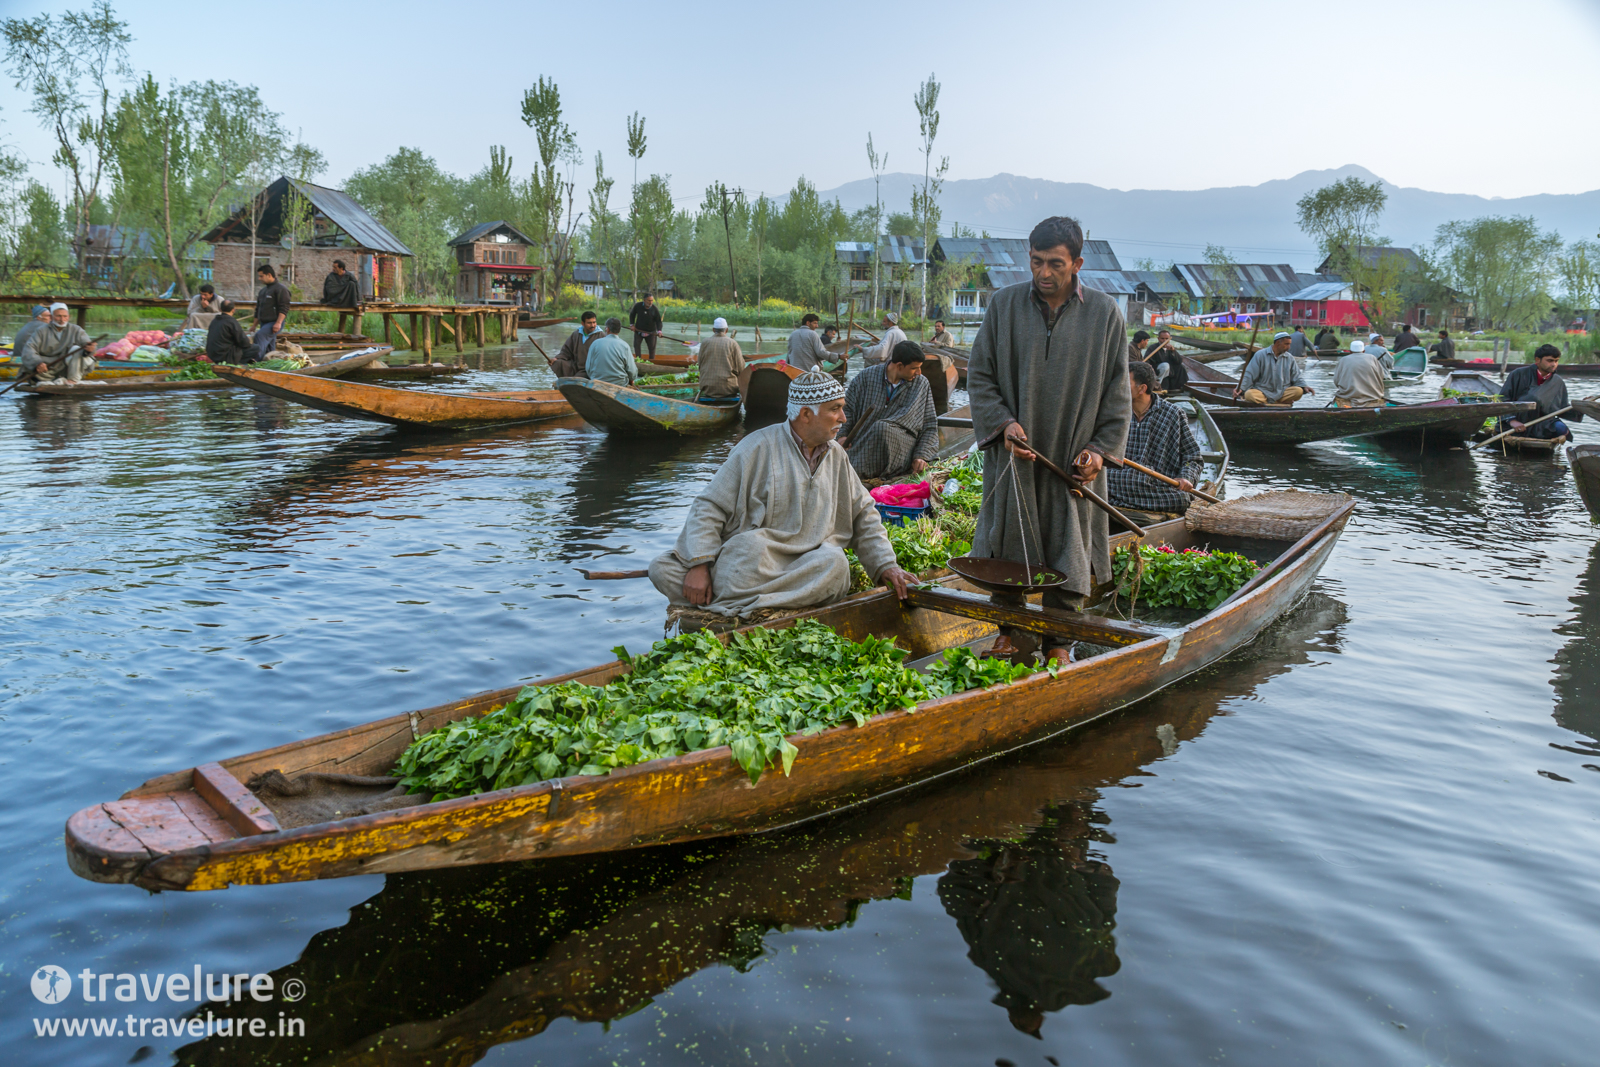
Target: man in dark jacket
272 308
572 360
1539 382
225 338
1444 347
645 318
1405 339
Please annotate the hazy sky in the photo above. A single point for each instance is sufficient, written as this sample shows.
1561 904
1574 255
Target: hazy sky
1465 96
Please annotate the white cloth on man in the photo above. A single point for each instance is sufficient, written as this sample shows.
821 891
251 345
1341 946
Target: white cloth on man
1358 381
67 347
774 531
891 337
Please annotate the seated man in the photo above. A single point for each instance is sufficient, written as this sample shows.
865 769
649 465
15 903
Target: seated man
1376 350
610 359
204 306
1358 379
38 319
1327 341
1539 382
770 530
1405 339
892 335
1172 375
1159 438
59 352
720 361
891 427
225 338
1273 376
1444 348
805 346
572 360
1137 346
941 336
341 289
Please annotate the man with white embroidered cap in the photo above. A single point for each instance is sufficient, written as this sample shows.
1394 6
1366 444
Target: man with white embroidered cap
720 363
770 530
59 352
1273 376
892 335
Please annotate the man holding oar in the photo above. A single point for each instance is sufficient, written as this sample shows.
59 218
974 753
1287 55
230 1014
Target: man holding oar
892 335
805 345
1158 438
769 532
1048 378
59 352
644 318
573 359
1539 382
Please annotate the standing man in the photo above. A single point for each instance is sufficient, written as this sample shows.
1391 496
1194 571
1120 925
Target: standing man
1273 376
1445 347
1048 376
1405 339
272 308
1159 438
805 347
645 318
1358 379
941 336
59 352
341 289
891 428
771 529
892 336
721 360
225 338
1539 382
609 359
572 360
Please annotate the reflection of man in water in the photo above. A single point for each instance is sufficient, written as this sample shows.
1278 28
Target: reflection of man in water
1038 918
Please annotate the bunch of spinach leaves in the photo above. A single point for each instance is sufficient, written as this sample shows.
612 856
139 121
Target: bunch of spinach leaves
1193 578
689 693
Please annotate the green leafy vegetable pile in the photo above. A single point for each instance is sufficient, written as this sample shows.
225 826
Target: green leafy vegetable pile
920 546
1163 577
199 369
692 375
685 694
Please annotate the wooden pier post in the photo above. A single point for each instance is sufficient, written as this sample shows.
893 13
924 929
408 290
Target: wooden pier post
478 327
386 331
455 331
415 341
427 336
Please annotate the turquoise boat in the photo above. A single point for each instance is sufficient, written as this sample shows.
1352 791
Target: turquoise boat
622 409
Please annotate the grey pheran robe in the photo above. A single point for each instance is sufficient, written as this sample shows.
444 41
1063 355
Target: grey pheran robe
1069 389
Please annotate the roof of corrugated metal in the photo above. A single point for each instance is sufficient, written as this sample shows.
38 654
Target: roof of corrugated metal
484 229
1108 281
1097 255
897 249
1001 252
366 231
1157 281
1320 291
1261 281
593 273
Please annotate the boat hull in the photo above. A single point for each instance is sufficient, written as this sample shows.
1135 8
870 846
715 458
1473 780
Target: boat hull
107 370
412 409
694 797
1585 461
1439 422
344 365
623 410
765 388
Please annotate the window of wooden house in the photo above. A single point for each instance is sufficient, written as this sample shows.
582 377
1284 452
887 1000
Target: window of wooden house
861 272
966 298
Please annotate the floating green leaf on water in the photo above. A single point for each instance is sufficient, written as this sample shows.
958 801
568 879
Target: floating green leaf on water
685 694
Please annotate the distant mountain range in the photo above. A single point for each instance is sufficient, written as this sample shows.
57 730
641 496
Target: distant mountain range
1256 223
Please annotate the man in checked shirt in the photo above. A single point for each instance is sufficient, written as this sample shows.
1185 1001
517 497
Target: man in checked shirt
1159 438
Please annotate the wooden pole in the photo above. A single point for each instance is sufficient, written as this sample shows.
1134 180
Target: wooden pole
1525 425
386 329
455 331
427 336
415 333
401 331
479 326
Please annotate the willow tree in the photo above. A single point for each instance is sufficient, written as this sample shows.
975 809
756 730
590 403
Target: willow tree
925 204
541 112
1506 265
1343 219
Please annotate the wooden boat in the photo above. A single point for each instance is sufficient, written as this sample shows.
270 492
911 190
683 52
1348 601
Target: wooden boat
1215 387
411 408
1475 382
106 370
624 410
405 372
526 321
1410 365
958 362
1439 423
764 387
151 384
1585 462
1569 370
203 827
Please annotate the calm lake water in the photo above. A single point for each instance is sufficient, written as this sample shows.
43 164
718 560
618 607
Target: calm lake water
1369 838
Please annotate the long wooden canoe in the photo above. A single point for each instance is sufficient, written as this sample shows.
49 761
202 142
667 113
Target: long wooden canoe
1585 461
203 828
528 322
1475 382
410 408
764 387
623 410
1437 423
344 365
105 370
1570 370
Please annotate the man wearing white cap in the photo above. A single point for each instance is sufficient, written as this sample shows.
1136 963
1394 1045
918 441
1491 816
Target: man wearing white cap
1376 350
720 363
59 352
1358 379
892 335
770 530
1273 376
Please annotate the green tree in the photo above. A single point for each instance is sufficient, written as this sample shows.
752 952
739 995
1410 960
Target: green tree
600 218
925 204
878 163
1343 219
541 112
637 142
68 66
652 215
420 204
1579 271
1504 264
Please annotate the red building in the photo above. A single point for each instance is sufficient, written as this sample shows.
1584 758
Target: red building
1327 304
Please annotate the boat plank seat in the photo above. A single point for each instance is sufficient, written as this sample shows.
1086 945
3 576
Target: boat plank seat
1034 619
239 807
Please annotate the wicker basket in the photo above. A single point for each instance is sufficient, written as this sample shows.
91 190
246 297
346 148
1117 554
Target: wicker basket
1286 515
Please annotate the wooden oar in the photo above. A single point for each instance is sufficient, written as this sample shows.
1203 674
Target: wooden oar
606 576
1090 495
1514 430
862 424
542 352
1158 476
668 336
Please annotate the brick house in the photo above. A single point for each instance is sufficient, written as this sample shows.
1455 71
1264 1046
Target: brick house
492 265
334 227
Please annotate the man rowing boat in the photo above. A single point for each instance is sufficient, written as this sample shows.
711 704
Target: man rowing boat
770 530
805 345
1539 382
59 352
1158 438
1048 376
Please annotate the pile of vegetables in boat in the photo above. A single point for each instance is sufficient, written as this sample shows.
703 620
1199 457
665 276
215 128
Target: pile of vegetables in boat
689 693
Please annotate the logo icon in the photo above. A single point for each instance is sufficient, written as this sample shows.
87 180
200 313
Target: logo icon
51 984
293 990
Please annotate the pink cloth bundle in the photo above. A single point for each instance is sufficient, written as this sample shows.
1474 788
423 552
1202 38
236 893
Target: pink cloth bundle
902 496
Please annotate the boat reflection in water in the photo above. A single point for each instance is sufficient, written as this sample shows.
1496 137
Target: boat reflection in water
1577 678
441 967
